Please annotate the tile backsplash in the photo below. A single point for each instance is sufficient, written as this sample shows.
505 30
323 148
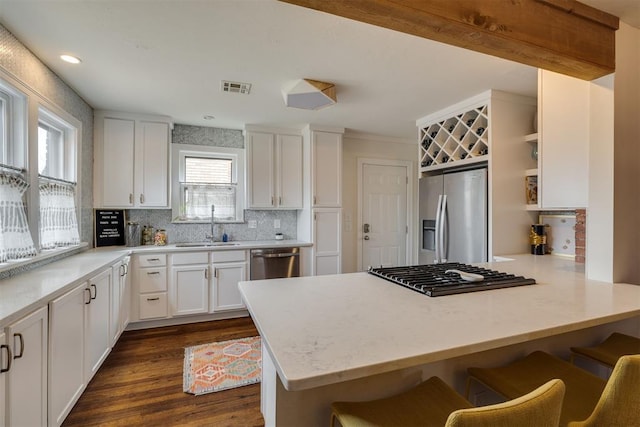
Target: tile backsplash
180 233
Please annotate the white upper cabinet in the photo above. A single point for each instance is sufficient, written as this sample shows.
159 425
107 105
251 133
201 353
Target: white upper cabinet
274 170
131 160
326 173
289 171
563 141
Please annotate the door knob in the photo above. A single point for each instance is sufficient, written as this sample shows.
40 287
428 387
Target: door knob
366 237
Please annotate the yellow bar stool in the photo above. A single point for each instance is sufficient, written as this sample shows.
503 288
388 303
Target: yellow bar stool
610 350
587 397
434 403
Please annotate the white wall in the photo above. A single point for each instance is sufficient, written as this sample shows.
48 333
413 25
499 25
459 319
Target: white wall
372 148
626 227
599 227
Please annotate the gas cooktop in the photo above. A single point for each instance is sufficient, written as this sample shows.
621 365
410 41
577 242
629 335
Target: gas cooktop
449 278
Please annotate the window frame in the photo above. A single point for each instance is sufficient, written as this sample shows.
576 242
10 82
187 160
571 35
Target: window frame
178 154
25 105
69 159
14 142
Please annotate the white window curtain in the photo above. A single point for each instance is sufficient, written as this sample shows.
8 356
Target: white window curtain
15 239
58 220
198 198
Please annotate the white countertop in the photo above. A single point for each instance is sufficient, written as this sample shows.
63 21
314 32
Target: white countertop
327 329
23 293
234 245
28 291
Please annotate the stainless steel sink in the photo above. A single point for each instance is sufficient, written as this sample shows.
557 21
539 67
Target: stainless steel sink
205 244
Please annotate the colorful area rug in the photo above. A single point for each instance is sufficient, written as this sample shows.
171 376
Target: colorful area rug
222 365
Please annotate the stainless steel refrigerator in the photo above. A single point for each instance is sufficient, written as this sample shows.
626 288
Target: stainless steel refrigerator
453 216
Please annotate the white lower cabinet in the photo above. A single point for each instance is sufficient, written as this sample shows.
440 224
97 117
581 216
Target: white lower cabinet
151 285
5 366
327 237
66 352
120 299
97 312
189 283
26 392
229 268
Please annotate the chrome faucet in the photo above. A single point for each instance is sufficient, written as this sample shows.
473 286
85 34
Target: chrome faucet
211 236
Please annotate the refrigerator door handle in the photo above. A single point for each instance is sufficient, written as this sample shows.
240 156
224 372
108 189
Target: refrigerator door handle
437 230
444 236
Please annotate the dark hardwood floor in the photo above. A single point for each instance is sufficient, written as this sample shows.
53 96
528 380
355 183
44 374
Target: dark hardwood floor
140 383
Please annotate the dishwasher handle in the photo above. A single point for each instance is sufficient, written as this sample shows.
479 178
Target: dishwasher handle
285 255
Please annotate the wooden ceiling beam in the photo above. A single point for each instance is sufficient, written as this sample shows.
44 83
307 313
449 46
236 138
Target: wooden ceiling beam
564 36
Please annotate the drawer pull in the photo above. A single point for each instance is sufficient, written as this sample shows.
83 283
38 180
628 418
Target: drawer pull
153 259
152 272
153 299
18 356
8 349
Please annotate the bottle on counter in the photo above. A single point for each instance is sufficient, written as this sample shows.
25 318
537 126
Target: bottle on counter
160 238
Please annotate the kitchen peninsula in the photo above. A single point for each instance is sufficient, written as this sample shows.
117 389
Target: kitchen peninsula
356 336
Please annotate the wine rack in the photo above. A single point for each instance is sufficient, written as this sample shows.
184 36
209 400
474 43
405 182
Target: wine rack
463 138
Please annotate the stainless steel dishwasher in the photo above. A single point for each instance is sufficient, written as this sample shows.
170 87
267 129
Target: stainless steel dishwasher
274 263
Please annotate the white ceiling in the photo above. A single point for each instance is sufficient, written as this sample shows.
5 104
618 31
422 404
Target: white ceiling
169 57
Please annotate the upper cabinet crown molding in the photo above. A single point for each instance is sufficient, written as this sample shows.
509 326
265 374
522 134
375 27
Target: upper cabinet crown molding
564 36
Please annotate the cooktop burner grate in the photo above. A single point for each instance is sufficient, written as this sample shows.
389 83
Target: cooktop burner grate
434 280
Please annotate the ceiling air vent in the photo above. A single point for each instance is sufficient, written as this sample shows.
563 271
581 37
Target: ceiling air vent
236 87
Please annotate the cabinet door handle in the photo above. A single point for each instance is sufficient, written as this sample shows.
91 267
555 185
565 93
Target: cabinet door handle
271 200
153 299
215 273
122 270
131 198
141 198
314 200
8 349
206 273
89 300
18 356
126 269
95 291
153 272
280 200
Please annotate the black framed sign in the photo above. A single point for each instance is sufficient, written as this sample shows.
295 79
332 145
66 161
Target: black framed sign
109 227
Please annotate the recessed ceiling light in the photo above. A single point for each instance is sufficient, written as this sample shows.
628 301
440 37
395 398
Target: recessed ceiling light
70 59
208 117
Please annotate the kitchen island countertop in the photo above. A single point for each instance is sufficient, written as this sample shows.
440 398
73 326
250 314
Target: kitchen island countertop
328 329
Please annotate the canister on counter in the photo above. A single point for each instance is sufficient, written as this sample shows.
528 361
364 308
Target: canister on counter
147 235
132 236
160 237
538 239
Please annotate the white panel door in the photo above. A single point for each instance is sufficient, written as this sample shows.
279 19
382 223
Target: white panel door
226 295
260 170
289 166
27 380
117 275
66 352
384 215
153 173
190 290
117 158
327 169
97 339
327 239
